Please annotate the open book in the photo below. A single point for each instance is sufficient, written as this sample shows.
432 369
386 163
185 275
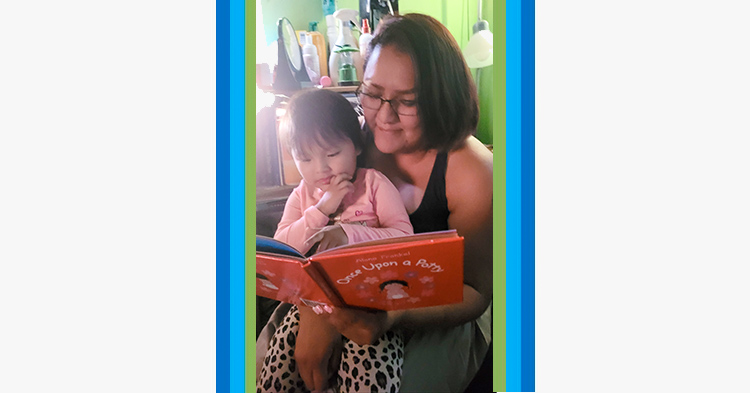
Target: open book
390 274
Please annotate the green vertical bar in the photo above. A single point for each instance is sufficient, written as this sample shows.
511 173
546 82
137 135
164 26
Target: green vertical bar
249 197
498 304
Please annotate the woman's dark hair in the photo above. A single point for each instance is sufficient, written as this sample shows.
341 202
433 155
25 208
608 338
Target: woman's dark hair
319 117
447 98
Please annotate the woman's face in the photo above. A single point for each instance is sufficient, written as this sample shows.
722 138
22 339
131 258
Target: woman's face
390 76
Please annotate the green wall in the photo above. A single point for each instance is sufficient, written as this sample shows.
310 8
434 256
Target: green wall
457 15
299 12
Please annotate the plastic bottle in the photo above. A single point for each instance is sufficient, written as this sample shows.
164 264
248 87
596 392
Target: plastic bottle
331 32
310 57
364 38
320 43
345 37
329 7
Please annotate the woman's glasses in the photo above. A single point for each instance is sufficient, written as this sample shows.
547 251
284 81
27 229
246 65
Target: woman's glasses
374 102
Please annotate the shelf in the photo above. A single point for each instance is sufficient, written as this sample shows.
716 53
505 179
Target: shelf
342 89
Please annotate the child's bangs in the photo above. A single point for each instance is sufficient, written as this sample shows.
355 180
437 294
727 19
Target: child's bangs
324 138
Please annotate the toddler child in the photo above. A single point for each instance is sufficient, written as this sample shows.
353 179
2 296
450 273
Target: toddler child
335 203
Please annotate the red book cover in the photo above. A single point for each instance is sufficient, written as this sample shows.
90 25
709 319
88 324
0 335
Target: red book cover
391 274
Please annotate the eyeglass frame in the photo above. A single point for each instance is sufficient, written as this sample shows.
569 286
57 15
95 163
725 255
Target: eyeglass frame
382 101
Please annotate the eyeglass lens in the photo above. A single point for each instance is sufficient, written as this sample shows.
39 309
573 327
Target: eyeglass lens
375 102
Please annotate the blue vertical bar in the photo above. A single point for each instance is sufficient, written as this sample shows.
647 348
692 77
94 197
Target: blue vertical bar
237 196
222 196
527 202
513 196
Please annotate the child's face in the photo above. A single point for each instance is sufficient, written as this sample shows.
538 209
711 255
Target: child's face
318 165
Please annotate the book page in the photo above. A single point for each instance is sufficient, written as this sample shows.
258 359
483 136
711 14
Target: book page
451 233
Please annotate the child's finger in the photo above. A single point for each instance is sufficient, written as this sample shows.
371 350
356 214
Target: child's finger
336 179
343 178
345 186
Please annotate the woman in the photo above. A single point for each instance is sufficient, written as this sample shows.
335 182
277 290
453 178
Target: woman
421 107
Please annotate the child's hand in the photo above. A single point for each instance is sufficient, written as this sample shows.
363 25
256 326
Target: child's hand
340 186
329 237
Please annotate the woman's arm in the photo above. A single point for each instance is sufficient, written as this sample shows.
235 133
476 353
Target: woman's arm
469 168
317 349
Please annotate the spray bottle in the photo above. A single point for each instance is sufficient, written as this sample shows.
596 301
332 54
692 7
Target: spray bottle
344 38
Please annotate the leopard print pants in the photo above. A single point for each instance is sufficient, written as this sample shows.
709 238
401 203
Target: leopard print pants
366 368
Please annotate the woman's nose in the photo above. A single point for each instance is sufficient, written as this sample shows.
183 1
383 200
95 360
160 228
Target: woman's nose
386 114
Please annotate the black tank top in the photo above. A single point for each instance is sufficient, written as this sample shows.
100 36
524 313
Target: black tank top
432 213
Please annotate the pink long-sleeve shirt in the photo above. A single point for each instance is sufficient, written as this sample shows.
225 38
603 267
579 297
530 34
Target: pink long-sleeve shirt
374 210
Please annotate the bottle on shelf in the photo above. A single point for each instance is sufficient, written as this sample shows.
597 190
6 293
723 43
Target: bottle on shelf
347 75
345 38
364 38
310 58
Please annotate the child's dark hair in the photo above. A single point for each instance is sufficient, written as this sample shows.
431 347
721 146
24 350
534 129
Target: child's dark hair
319 117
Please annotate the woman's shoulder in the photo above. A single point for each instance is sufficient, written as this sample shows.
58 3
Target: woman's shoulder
470 164
468 186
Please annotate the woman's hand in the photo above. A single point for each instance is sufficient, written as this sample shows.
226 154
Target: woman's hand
317 349
329 237
362 327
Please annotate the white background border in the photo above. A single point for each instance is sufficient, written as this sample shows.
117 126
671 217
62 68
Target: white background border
107 209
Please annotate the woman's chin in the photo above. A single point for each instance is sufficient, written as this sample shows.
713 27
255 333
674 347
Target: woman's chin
386 144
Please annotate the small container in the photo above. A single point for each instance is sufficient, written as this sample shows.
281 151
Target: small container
329 7
310 57
320 43
347 70
365 38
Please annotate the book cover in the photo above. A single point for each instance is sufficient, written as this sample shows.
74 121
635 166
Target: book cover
390 274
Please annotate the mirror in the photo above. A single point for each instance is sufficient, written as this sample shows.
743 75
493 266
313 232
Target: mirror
290 72
291 44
